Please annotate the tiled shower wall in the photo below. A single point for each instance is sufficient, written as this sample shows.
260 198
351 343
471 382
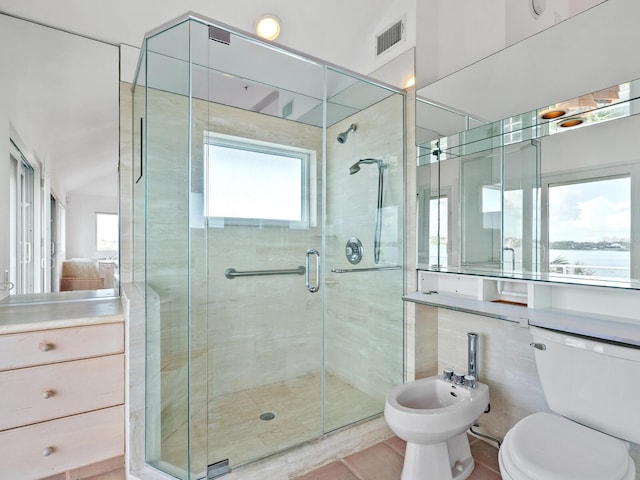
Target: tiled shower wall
261 330
364 309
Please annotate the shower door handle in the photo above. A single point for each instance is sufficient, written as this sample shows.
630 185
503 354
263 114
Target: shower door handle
307 282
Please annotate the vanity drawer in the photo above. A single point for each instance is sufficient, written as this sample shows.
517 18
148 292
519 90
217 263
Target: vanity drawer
36 394
44 449
58 345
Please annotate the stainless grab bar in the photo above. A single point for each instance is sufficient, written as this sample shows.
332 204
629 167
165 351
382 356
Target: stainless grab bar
232 273
369 269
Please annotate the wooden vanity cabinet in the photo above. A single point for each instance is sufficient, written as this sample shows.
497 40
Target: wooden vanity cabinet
61 400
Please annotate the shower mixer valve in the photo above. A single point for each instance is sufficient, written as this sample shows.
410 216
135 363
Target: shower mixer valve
353 250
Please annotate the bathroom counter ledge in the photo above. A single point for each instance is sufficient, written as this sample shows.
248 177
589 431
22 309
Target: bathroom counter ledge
605 327
31 317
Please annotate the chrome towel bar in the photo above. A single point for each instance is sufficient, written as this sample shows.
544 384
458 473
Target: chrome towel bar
366 269
232 273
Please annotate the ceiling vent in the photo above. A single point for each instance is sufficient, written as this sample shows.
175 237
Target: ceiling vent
219 35
390 37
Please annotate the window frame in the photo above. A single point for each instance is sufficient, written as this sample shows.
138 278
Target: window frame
308 202
586 176
111 214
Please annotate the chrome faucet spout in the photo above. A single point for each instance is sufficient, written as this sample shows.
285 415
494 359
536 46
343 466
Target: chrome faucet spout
473 354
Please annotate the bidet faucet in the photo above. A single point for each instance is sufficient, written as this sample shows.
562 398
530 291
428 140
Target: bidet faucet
473 354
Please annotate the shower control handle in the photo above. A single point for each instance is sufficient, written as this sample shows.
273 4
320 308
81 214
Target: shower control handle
307 281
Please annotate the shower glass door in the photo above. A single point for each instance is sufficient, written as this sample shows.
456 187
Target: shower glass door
257 126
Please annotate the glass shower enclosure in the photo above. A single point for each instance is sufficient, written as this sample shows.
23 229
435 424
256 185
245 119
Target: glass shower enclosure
272 271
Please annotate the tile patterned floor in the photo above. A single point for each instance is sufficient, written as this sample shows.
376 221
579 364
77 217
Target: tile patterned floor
383 461
236 432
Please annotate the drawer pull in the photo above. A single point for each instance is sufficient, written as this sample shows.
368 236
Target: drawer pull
47 451
47 394
46 346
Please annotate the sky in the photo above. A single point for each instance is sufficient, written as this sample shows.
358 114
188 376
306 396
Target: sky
591 212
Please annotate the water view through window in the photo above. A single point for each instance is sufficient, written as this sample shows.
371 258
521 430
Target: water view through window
579 213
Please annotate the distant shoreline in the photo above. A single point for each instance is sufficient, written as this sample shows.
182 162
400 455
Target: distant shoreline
590 246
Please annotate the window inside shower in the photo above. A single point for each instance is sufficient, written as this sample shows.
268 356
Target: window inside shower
241 174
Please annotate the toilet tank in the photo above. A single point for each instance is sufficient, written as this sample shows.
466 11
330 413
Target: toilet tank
591 382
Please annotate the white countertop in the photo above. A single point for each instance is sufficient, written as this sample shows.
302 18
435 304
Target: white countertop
609 328
37 316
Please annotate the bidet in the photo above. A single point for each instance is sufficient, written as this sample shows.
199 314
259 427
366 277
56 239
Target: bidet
432 415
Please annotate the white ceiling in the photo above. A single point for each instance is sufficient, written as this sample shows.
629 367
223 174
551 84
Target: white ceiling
333 30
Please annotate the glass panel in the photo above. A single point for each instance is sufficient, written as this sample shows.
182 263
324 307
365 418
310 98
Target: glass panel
481 210
364 321
427 188
499 210
166 176
438 229
264 332
137 171
520 220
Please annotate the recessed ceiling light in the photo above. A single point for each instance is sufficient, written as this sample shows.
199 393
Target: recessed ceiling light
268 27
571 122
552 114
410 82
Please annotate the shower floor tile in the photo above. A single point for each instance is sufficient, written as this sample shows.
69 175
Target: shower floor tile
236 432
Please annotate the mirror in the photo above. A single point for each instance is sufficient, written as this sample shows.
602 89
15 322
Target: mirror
59 165
585 186
550 194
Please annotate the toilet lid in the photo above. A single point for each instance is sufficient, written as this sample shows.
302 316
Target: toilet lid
550 447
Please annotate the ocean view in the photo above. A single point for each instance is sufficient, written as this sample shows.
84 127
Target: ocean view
603 263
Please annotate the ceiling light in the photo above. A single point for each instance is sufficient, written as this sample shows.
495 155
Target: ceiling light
410 82
268 27
571 122
552 114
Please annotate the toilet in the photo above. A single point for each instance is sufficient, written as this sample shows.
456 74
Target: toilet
592 388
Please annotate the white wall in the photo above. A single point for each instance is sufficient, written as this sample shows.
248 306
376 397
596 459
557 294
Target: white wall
452 35
81 223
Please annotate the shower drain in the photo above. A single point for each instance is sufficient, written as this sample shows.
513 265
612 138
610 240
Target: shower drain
267 416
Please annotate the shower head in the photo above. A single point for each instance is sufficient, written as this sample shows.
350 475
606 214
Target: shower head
355 168
343 136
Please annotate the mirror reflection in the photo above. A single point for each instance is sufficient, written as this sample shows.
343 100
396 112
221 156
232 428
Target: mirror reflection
59 168
551 194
